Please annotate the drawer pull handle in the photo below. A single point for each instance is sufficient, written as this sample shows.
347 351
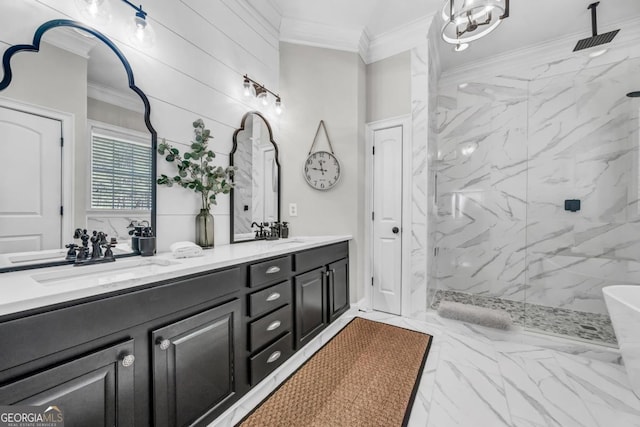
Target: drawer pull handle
274 325
163 343
274 296
274 356
128 360
273 269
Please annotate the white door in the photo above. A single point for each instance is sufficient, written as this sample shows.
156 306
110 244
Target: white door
30 214
387 220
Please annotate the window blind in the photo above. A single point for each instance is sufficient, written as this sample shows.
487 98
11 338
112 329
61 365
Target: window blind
120 174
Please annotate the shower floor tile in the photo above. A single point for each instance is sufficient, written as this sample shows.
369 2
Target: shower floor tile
560 321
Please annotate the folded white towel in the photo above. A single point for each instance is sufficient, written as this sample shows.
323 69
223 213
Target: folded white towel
185 250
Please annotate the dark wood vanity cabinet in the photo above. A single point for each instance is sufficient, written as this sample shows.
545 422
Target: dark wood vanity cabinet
311 305
338 288
178 352
93 390
194 365
321 294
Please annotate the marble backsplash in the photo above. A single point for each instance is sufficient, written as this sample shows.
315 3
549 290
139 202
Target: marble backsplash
511 148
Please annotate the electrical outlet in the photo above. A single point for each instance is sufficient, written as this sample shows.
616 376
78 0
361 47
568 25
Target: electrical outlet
293 209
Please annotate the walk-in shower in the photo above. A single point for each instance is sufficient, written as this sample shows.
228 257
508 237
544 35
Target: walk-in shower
512 146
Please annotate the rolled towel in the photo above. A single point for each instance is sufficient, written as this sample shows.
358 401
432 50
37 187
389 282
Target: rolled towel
185 250
490 317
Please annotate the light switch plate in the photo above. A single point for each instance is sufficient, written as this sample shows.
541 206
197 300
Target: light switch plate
293 209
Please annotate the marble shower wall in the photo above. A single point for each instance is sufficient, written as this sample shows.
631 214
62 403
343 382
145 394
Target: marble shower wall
419 179
511 148
434 72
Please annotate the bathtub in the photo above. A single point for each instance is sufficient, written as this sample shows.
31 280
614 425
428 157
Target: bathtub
623 303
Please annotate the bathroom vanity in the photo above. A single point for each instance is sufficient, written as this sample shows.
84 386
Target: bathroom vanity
169 342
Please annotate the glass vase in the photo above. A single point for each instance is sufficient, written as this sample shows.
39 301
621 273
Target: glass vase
204 229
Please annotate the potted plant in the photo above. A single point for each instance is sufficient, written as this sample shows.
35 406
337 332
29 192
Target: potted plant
197 173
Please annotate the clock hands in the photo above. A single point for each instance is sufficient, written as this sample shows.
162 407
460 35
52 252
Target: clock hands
321 169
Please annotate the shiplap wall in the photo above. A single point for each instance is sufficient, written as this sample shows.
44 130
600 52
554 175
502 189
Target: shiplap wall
194 70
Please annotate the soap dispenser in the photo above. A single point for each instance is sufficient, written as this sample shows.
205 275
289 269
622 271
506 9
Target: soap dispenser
147 242
284 230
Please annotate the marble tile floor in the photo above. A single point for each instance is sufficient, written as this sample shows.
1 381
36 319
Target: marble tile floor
560 321
476 376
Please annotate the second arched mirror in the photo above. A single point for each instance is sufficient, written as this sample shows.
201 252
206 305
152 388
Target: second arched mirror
256 196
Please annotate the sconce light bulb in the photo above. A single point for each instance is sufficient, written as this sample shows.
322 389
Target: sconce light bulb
278 106
142 33
262 96
95 11
247 87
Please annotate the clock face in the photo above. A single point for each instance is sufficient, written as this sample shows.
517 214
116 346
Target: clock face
322 170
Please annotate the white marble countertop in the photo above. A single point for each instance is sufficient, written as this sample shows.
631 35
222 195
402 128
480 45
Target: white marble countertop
31 289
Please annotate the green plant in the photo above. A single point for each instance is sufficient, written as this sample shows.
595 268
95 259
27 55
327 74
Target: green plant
195 170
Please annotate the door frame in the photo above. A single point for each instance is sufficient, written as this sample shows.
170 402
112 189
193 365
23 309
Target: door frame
406 229
67 121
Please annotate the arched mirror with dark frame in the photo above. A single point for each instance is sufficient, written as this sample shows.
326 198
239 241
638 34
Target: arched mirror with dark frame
255 198
76 87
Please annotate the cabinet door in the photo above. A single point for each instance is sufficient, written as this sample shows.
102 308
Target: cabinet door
338 288
193 365
94 390
310 297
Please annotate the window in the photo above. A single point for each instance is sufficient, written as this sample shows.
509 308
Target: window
120 171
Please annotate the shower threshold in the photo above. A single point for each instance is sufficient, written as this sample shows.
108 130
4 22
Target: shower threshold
592 327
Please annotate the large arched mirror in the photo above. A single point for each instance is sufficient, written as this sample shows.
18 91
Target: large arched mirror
81 146
256 195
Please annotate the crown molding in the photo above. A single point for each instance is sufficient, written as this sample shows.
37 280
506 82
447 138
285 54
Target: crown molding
371 49
320 35
264 12
546 52
72 41
399 40
106 94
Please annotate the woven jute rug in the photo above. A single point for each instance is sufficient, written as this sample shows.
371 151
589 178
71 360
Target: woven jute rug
367 375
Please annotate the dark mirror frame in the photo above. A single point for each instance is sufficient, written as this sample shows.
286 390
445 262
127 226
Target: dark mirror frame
233 150
35 47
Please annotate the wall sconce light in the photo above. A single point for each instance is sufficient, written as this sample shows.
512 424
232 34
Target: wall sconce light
261 92
466 21
141 32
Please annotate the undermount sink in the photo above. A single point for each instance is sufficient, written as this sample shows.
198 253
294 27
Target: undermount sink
104 274
286 241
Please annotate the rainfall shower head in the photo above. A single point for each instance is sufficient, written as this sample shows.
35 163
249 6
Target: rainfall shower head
596 39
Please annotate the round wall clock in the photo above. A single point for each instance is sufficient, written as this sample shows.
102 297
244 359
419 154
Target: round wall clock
321 169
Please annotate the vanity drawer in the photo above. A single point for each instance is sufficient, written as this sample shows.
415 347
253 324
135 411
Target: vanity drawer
267 299
317 257
269 327
265 362
269 271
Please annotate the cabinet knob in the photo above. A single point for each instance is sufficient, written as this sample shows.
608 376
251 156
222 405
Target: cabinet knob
274 356
273 269
274 325
163 343
128 360
274 296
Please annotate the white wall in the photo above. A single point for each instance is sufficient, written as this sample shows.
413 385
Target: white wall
324 84
388 87
195 69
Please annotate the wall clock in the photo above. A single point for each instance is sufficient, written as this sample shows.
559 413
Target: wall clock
322 168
